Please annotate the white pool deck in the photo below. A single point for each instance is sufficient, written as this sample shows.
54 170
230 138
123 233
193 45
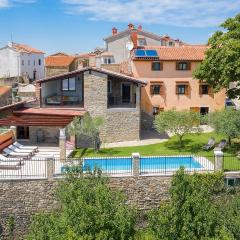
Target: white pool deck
36 168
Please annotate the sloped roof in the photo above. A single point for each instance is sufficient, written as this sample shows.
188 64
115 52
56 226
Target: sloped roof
185 52
4 90
59 60
99 70
25 48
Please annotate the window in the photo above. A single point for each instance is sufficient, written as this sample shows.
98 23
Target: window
157 66
39 62
109 86
29 63
183 66
204 89
107 61
142 42
204 110
155 89
22 62
171 44
69 84
182 89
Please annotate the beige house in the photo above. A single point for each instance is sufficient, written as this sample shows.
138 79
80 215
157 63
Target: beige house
169 73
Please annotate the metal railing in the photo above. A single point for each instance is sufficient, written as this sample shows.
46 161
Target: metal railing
231 163
168 165
110 166
43 168
18 169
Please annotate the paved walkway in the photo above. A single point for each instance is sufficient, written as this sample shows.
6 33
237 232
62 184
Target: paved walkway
147 138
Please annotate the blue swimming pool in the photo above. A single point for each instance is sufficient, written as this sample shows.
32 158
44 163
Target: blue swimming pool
147 164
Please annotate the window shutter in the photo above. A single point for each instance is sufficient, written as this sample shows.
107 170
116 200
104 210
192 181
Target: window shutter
177 89
187 90
200 89
177 65
161 90
161 66
189 65
151 89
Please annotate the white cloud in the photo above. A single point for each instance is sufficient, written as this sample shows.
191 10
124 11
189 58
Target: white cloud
192 13
9 3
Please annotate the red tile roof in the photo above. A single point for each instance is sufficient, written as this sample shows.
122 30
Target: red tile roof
185 52
59 60
4 90
25 48
100 70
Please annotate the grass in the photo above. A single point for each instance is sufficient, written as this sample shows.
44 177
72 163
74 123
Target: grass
192 146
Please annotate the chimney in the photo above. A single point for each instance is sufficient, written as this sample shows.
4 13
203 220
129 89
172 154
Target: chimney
134 37
130 26
140 27
114 31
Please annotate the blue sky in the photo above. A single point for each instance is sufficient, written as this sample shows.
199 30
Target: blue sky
76 26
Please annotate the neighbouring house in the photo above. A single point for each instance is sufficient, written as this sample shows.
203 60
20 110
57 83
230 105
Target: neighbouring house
5 95
169 73
116 44
22 62
98 92
60 63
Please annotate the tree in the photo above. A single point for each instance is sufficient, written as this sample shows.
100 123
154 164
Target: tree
87 126
178 123
89 210
221 66
191 212
226 122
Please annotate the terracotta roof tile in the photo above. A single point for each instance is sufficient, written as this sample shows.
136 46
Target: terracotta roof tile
4 90
25 48
185 52
58 60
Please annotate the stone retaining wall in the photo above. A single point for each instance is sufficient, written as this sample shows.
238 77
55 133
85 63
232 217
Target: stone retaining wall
23 199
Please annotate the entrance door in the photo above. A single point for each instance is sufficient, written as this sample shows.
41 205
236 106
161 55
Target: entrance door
22 133
126 93
34 75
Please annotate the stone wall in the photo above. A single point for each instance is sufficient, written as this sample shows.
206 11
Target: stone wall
23 199
53 71
121 124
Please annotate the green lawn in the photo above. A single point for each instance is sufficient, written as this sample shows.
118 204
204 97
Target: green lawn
192 145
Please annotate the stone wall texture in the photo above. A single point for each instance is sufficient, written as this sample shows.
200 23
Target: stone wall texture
121 124
23 199
44 134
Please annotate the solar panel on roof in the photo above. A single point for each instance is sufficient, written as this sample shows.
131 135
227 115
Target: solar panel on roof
151 53
140 53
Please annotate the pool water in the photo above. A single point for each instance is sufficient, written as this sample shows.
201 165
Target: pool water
146 163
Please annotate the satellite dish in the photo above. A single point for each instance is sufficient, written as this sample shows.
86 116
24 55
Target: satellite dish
129 45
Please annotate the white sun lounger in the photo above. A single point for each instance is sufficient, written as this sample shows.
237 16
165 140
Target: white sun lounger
11 153
20 146
3 158
15 149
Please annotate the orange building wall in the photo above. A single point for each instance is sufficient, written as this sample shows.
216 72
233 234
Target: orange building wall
169 75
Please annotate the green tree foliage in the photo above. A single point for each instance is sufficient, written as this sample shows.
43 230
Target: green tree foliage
89 211
178 123
87 126
222 63
191 212
226 122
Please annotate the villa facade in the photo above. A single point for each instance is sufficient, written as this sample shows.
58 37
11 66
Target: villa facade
169 73
97 92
